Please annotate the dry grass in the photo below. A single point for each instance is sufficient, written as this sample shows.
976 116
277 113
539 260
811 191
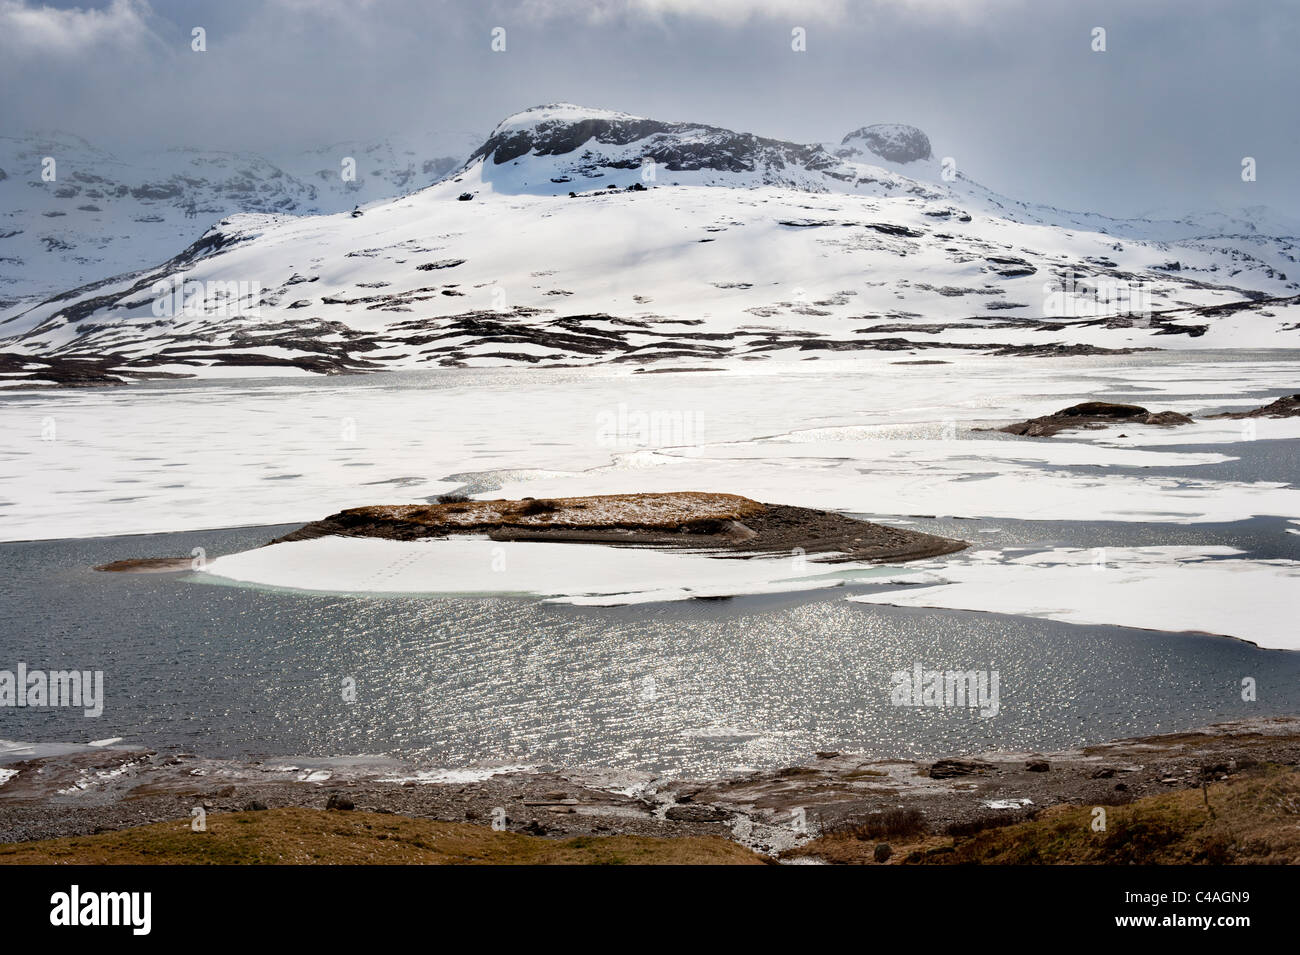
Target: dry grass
318 837
667 511
1253 819
897 823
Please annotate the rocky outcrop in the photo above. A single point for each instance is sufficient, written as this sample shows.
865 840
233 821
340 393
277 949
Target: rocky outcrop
599 140
1092 415
1287 406
715 524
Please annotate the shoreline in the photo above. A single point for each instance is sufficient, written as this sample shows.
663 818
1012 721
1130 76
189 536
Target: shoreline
790 810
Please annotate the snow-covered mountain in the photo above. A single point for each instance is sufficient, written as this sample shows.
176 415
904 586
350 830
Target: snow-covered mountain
558 148
576 235
71 212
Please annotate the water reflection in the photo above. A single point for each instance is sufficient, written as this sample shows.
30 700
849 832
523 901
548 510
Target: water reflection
695 687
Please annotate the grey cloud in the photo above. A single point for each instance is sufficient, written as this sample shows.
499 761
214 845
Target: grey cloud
1010 89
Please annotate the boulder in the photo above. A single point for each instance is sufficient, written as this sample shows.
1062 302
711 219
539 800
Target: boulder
339 802
948 768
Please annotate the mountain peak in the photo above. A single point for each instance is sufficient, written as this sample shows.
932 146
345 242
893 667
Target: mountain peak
564 147
894 142
560 113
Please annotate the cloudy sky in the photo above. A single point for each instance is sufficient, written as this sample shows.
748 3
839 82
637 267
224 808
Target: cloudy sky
1012 89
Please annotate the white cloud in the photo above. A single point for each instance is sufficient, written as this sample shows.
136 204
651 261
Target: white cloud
41 31
726 11
741 11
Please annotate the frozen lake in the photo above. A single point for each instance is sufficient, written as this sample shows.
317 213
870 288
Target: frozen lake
862 434
1078 542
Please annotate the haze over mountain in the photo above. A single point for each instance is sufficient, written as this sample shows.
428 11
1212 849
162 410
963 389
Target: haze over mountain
104 213
1014 90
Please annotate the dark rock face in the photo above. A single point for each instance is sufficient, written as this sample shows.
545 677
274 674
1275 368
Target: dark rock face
891 141
676 147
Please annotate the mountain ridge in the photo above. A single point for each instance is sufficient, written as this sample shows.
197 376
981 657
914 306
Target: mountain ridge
564 240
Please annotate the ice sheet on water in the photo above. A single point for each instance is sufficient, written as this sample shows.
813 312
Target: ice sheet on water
1180 588
862 435
589 574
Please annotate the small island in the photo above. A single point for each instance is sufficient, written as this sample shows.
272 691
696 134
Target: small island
713 524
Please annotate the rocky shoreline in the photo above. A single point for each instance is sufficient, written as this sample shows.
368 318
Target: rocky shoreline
786 812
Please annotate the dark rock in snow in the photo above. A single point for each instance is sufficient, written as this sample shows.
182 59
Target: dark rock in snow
1284 407
1091 415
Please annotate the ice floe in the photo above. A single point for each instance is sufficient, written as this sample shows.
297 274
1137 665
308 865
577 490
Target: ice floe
587 574
1179 588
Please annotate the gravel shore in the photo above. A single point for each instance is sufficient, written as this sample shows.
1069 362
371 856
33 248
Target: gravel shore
107 788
